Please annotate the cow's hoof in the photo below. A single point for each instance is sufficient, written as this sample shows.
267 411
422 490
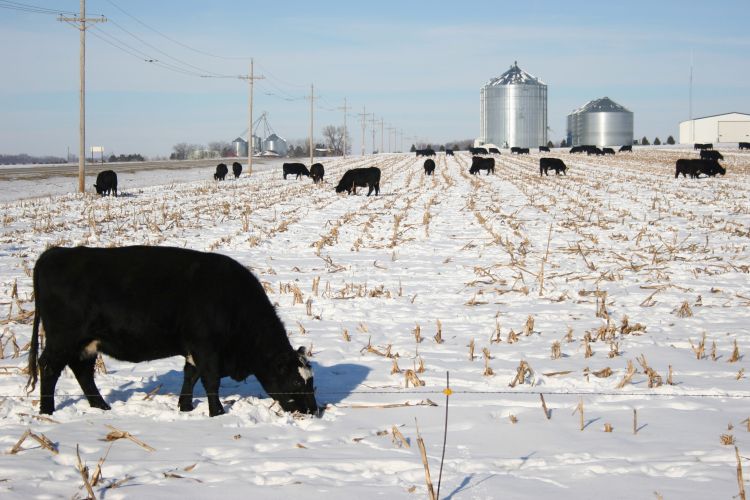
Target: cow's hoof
101 405
215 412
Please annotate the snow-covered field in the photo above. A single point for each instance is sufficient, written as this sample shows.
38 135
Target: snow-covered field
572 278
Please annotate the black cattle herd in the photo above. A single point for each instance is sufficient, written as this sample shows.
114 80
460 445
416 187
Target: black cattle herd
707 164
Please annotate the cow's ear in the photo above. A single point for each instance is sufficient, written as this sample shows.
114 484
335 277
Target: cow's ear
302 350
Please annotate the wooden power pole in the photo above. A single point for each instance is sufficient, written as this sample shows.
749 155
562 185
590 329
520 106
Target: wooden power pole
81 25
250 142
364 122
312 99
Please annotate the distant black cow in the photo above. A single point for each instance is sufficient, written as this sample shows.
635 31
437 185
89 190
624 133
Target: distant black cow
106 183
449 152
519 151
627 147
710 154
608 151
478 163
693 168
360 177
555 164
425 152
236 169
593 150
543 148
478 151
145 303
221 172
429 167
295 169
703 146
744 145
493 151
316 172
576 149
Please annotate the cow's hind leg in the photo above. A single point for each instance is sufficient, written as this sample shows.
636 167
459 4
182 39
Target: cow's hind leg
83 369
186 393
50 368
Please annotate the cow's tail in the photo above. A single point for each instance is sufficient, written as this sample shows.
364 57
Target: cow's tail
33 367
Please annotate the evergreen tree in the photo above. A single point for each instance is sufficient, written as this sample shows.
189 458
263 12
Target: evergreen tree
657 142
670 140
413 148
644 141
550 144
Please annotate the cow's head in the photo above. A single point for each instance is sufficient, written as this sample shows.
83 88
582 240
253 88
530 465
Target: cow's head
340 188
98 189
290 382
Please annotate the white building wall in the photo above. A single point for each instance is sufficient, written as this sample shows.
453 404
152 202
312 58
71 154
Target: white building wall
730 127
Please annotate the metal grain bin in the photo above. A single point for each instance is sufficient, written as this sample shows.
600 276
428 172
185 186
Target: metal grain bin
276 144
601 122
513 110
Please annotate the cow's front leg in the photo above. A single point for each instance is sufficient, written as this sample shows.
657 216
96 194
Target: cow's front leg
211 378
188 384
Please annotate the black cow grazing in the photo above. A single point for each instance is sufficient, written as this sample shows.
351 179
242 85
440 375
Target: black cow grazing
543 148
429 167
221 172
515 150
425 152
703 146
593 150
295 169
236 169
710 154
523 151
144 303
478 151
449 152
608 151
744 145
478 163
693 168
627 147
316 172
577 149
106 183
555 164
360 177
493 151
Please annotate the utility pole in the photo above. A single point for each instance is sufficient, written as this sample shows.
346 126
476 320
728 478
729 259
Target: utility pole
312 100
363 115
381 136
82 20
250 142
389 137
345 108
373 133
401 133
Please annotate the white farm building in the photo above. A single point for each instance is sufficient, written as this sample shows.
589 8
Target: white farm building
729 127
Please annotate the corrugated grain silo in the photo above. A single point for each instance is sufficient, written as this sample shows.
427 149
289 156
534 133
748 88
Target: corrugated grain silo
601 122
513 110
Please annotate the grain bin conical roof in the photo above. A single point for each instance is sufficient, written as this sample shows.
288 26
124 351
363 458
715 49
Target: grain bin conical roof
515 76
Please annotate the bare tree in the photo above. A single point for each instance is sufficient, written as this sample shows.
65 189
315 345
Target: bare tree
222 148
333 137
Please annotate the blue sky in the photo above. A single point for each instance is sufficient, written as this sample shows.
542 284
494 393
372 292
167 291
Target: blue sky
416 64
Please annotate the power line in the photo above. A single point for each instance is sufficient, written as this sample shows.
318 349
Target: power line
6 4
198 51
204 71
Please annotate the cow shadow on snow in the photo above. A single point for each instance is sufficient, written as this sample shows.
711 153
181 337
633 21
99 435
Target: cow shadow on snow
333 384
